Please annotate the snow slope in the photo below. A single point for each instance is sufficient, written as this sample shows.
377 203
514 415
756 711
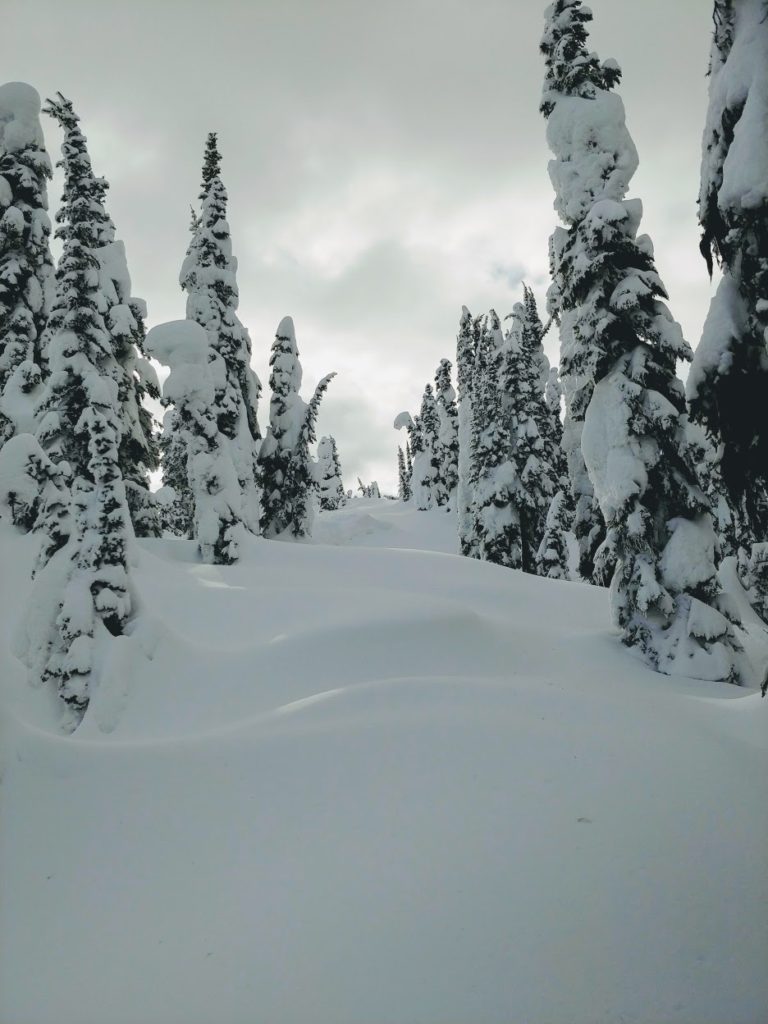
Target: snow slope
351 783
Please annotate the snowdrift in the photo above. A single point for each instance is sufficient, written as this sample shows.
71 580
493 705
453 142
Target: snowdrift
355 782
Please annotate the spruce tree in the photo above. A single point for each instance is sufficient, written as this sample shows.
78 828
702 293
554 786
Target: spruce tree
447 438
426 453
284 459
124 317
496 530
330 486
80 424
524 372
466 345
728 381
619 338
208 276
26 266
409 467
403 477
552 555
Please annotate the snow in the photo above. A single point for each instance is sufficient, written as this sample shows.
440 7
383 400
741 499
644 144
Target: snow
724 326
342 782
740 82
19 117
593 144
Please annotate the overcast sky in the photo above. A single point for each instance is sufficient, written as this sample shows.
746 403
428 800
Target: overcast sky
385 163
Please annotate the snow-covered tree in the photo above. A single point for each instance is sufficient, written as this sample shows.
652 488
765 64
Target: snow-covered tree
196 379
466 345
618 336
495 534
728 381
124 318
426 453
86 580
208 276
370 490
523 376
552 556
330 486
26 266
284 459
30 492
447 438
403 477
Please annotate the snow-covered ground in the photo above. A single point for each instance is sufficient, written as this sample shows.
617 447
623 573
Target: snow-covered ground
355 782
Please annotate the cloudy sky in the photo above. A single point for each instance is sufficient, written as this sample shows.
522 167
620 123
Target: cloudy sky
385 163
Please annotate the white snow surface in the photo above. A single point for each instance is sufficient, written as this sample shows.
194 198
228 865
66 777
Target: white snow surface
344 782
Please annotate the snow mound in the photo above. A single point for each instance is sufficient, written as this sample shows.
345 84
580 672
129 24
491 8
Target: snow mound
341 782
19 117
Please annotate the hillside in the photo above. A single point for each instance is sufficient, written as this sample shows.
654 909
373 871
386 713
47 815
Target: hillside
356 781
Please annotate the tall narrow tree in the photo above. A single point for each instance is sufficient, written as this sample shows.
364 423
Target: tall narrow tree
124 317
284 460
26 266
208 276
329 482
618 336
403 479
466 345
81 428
447 437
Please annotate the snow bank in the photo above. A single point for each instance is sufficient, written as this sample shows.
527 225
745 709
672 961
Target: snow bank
339 785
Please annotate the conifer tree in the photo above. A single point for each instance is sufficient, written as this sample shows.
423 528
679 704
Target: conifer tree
466 345
81 426
728 381
496 534
284 459
409 466
525 369
552 556
553 396
447 438
403 477
198 377
26 266
124 317
619 338
330 486
426 457
208 276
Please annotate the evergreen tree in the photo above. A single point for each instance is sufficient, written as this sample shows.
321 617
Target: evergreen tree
198 377
525 419
552 556
330 486
447 438
426 455
80 421
124 317
403 477
26 266
619 338
728 381
284 460
466 345
409 467
496 531
208 276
